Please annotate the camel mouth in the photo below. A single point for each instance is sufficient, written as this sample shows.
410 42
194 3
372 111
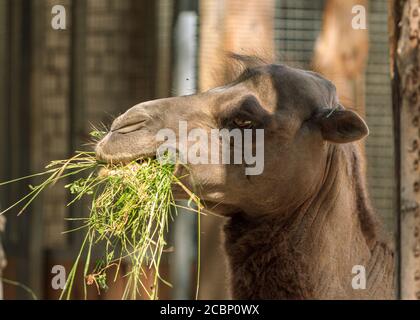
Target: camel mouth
141 158
107 151
123 158
126 143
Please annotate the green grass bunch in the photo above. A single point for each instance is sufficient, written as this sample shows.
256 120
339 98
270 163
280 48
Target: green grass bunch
130 209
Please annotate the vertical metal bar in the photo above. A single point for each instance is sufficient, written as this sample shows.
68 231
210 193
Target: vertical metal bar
185 61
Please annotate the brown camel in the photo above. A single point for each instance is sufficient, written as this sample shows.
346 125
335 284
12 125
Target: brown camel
297 230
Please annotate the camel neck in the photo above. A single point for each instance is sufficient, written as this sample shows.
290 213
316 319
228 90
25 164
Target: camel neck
308 252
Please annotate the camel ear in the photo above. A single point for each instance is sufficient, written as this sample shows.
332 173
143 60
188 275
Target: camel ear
342 126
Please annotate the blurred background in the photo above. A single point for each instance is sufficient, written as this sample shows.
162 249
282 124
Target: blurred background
54 84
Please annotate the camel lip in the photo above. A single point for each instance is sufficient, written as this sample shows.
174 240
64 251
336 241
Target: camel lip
126 160
122 158
103 155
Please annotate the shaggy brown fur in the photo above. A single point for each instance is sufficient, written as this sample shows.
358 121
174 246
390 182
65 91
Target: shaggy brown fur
296 230
308 252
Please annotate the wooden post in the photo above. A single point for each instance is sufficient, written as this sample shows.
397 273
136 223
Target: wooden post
341 52
405 62
22 236
244 27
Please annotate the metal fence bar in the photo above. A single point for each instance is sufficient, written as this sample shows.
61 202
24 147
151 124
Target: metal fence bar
184 83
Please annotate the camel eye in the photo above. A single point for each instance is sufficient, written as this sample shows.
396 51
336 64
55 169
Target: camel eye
243 123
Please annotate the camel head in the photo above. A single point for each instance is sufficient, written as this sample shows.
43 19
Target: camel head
290 116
